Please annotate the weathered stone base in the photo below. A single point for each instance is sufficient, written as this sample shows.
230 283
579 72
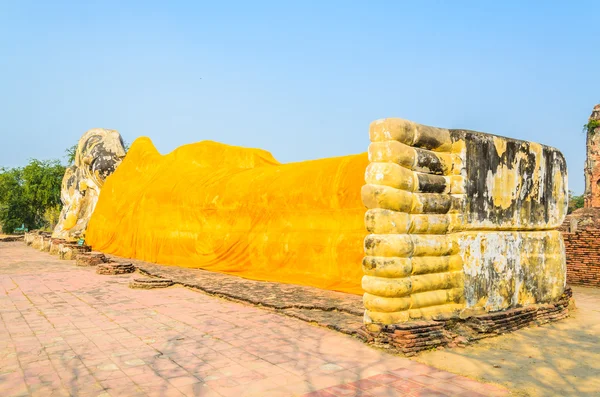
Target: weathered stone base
8 239
413 337
150 283
90 259
70 251
39 240
113 268
35 238
55 244
64 249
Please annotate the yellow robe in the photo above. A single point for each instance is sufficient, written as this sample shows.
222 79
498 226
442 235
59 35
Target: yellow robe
236 210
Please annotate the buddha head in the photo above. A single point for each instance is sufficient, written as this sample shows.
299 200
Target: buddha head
99 153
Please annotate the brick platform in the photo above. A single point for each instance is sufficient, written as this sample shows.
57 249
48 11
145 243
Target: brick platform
70 251
583 257
90 259
113 268
414 337
150 283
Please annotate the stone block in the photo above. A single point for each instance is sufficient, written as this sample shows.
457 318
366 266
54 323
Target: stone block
114 268
150 283
90 259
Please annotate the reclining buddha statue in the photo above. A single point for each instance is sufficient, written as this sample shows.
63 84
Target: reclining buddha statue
429 221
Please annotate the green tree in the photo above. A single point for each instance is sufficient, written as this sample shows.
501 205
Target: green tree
575 202
70 154
14 209
30 195
42 183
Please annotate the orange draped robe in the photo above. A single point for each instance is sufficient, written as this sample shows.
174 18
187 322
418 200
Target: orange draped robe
236 210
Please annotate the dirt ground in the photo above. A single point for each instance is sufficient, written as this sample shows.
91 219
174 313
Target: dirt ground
559 359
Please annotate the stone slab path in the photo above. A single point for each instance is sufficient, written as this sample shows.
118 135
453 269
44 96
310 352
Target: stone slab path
67 331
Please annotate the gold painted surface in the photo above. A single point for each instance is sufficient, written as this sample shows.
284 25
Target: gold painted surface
236 210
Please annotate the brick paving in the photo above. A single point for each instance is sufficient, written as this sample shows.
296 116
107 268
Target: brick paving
336 310
67 331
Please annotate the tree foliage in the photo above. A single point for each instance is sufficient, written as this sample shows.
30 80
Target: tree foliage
575 202
30 195
590 126
70 154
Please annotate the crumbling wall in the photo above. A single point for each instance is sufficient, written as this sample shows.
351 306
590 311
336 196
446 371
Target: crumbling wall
592 162
583 257
581 229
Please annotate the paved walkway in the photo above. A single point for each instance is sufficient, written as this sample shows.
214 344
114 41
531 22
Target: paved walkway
340 311
68 331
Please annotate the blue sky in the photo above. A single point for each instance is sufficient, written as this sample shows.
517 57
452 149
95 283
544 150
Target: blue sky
302 80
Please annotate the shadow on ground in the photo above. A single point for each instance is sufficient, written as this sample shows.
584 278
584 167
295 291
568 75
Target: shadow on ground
72 329
66 330
557 359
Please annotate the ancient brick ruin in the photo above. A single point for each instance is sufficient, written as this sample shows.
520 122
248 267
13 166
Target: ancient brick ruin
581 229
592 163
583 257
